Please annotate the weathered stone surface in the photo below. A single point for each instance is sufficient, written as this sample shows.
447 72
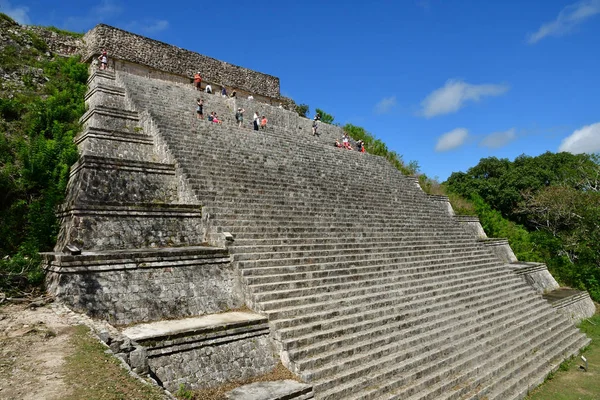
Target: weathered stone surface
574 304
161 56
444 203
501 249
214 364
138 360
214 322
144 225
206 351
536 275
276 390
113 180
116 143
63 44
471 225
146 287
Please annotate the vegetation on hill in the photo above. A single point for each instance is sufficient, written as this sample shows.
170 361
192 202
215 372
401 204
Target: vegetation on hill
547 206
41 101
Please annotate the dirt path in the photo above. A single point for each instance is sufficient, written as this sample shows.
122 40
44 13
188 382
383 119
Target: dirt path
34 344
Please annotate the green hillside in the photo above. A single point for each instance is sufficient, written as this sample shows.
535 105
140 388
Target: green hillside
41 101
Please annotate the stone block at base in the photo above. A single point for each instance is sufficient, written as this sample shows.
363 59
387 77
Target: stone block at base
206 351
276 390
574 304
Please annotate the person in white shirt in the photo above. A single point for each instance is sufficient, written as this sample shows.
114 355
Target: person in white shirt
256 122
208 89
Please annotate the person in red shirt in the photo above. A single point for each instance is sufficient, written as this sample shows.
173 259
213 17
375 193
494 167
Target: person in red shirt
198 81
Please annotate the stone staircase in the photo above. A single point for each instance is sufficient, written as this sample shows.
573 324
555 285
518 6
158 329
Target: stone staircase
373 291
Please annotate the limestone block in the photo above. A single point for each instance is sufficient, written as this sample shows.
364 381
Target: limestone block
276 390
501 249
138 360
471 225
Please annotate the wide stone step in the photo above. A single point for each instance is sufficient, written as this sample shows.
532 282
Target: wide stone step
363 300
462 347
250 229
405 324
451 247
399 257
471 383
319 209
235 164
331 269
359 275
284 203
340 245
519 337
349 315
224 184
480 329
397 216
274 243
413 294
353 281
512 382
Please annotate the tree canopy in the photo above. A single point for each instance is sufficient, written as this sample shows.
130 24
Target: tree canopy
554 197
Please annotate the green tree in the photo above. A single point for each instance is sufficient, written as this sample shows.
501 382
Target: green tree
503 183
37 126
325 117
302 110
553 197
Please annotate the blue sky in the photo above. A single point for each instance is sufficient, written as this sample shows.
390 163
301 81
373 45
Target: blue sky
444 83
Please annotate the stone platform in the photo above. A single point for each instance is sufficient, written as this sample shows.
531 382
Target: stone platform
206 351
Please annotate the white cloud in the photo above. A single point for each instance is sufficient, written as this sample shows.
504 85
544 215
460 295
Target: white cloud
454 94
567 19
18 13
100 13
584 140
451 140
498 139
385 105
107 8
148 26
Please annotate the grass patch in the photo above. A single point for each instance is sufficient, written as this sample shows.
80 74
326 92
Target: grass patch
63 32
570 382
92 374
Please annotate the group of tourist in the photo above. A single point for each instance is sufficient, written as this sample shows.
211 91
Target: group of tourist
257 121
346 144
208 88
212 117
260 122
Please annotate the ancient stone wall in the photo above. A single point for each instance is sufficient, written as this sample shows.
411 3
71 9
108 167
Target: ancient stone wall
122 45
62 44
132 287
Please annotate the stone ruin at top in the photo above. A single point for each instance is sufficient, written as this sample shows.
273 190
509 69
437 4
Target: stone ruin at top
213 253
